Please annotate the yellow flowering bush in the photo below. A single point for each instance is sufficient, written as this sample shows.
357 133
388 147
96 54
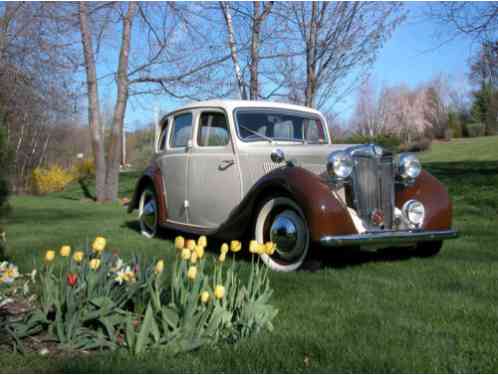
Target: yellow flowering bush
52 179
84 169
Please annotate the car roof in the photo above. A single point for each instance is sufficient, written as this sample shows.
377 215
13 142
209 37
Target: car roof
230 105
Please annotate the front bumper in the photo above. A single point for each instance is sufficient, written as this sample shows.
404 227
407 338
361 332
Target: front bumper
390 238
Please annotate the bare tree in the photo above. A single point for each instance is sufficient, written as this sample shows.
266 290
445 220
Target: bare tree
233 49
337 40
96 129
478 20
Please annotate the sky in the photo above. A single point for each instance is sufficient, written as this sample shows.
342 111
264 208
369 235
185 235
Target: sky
416 53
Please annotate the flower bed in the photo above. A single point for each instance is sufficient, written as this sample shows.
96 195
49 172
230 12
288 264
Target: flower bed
93 299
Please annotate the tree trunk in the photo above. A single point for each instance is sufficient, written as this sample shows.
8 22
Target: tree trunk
258 20
233 50
114 156
311 48
96 131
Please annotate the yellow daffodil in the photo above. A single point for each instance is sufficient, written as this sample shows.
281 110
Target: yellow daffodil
199 250
253 246
9 274
222 257
224 248
235 246
270 248
99 245
205 297
192 272
191 245
94 264
49 256
186 253
193 257
78 256
202 241
126 275
179 243
65 251
219 291
159 268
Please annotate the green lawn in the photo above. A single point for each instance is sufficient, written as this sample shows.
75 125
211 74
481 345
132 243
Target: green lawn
361 312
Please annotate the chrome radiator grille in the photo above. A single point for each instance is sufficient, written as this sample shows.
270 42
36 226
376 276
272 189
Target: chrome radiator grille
373 189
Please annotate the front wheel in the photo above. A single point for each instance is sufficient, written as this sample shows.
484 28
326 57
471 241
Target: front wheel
282 221
147 213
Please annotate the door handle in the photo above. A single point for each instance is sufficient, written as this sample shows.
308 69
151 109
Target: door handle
225 164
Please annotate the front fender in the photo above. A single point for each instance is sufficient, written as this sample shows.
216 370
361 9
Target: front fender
433 195
324 214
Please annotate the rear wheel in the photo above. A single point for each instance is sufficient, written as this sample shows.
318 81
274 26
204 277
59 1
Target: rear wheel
147 213
281 221
428 249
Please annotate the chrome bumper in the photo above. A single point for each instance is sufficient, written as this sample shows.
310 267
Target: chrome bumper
388 238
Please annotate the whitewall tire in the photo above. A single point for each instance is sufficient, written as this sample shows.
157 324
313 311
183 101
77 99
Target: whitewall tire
282 221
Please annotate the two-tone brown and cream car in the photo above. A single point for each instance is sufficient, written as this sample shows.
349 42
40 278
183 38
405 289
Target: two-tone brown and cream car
226 168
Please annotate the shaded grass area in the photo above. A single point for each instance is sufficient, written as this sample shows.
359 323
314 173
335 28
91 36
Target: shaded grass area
361 312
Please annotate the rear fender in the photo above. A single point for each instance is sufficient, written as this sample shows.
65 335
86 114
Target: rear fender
151 176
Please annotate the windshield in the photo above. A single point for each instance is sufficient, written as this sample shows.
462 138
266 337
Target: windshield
273 125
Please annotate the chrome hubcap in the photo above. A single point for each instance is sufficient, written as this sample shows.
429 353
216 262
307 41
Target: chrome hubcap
149 211
285 233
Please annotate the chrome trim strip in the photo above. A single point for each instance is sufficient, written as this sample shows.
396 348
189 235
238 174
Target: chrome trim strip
388 237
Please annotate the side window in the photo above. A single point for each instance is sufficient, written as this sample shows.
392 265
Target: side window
162 137
213 130
182 130
313 131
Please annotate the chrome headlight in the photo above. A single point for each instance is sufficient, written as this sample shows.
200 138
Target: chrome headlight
409 166
340 164
414 211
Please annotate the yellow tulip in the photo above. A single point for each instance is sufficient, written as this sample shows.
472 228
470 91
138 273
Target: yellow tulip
191 245
235 246
253 247
192 272
199 250
261 248
205 297
159 268
186 254
65 251
193 257
179 243
94 264
49 256
202 241
224 248
270 248
222 257
78 256
219 291
99 245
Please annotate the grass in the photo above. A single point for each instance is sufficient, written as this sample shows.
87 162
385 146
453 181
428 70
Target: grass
361 312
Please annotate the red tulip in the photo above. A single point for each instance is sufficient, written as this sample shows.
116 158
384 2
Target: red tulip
72 278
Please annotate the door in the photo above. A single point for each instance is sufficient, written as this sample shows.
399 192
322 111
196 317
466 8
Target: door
174 164
214 186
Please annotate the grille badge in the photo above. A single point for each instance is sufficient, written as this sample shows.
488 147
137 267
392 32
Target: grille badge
377 217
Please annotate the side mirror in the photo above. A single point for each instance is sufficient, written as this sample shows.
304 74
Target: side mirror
189 145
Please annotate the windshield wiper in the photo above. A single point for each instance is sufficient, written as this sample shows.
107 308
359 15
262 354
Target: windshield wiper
256 133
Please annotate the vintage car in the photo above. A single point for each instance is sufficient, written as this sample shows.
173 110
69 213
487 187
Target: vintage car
229 168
